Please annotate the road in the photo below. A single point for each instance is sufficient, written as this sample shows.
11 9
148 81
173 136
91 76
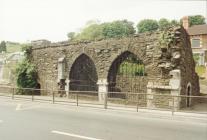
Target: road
26 120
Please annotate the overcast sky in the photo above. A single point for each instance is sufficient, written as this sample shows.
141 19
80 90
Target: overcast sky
22 20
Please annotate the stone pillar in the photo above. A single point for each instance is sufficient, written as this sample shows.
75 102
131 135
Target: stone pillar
175 84
61 68
67 87
102 89
150 97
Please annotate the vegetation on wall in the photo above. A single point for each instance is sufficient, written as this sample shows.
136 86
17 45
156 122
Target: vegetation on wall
166 39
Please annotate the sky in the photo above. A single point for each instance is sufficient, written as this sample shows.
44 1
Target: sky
26 20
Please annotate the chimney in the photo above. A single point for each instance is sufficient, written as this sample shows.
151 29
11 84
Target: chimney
185 22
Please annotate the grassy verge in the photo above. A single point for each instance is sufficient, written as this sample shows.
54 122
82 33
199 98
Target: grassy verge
11 48
200 70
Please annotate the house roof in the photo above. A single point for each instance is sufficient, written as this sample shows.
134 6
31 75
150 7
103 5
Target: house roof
197 29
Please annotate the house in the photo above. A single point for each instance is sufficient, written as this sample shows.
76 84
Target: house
198 37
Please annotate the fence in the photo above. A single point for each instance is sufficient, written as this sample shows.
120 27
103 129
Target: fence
113 100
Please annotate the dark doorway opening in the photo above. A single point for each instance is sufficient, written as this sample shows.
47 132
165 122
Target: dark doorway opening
83 76
188 98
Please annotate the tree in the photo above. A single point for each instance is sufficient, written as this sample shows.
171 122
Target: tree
174 23
147 25
26 72
164 23
91 32
119 28
26 75
3 46
196 20
94 30
71 35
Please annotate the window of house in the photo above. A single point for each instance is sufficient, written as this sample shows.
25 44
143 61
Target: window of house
195 42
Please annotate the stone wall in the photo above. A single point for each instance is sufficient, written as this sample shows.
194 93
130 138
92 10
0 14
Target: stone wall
136 84
102 53
161 60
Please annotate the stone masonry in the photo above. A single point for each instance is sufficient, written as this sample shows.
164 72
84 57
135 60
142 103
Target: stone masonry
167 57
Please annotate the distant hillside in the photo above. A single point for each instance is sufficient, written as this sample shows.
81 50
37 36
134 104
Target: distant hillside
13 47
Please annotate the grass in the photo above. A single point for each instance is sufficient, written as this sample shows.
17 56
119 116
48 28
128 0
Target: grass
200 70
11 48
130 68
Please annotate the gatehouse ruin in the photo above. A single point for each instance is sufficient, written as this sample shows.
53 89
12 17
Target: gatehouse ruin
158 62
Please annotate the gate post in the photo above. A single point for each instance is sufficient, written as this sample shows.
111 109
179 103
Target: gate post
150 97
175 84
102 90
67 87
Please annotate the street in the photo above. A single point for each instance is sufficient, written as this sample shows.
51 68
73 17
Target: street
26 120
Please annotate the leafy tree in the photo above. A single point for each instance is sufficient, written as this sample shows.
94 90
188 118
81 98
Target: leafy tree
196 20
174 23
26 72
3 46
163 23
94 30
147 25
71 35
119 28
91 32
26 75
27 49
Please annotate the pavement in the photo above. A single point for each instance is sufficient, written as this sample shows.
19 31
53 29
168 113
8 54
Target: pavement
27 120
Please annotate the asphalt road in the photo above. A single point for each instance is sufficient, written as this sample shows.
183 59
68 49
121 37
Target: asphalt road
21 120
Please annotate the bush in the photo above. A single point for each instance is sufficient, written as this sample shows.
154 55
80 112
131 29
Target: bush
26 76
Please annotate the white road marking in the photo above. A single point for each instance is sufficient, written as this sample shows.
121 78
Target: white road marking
18 107
74 135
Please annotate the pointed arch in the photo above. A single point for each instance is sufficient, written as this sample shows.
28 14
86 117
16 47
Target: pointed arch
125 68
83 75
188 93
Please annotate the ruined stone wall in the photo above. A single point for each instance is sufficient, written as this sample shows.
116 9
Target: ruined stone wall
187 65
102 53
159 60
135 84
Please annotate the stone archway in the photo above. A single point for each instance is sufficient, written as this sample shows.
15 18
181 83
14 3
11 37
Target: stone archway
188 93
127 74
83 75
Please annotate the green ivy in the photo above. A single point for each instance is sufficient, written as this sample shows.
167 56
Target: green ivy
166 38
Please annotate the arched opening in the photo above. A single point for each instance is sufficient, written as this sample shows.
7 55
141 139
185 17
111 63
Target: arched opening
127 74
83 76
38 89
188 102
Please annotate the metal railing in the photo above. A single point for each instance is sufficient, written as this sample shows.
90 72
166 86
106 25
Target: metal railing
112 100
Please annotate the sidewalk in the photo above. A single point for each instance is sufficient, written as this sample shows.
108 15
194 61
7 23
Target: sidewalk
145 112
